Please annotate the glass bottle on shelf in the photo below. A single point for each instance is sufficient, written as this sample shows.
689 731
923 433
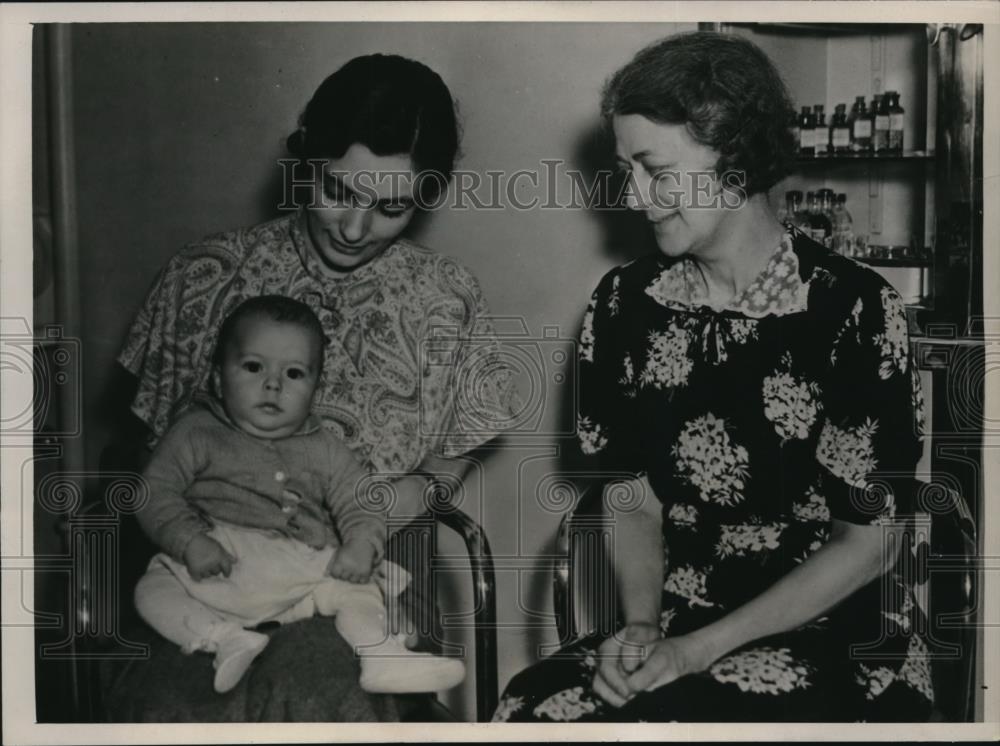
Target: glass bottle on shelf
825 198
880 128
840 132
808 205
807 132
821 134
861 126
896 115
843 227
819 224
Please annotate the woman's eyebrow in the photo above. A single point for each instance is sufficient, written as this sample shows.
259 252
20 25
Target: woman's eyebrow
338 180
638 156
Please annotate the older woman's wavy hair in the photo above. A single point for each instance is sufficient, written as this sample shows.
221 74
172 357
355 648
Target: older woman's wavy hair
724 89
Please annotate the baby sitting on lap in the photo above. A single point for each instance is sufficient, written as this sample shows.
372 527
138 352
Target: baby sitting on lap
253 505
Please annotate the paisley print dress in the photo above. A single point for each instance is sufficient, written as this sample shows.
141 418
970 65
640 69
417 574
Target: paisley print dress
757 424
412 365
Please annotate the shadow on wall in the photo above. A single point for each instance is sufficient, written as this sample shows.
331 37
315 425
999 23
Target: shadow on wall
624 234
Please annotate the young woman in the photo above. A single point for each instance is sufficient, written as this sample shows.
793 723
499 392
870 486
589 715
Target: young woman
379 138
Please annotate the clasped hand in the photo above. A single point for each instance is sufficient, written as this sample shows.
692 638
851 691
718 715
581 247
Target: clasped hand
637 659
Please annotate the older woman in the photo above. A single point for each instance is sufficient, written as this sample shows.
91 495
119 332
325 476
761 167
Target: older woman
761 391
402 325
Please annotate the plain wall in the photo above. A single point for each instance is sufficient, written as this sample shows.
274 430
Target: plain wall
178 132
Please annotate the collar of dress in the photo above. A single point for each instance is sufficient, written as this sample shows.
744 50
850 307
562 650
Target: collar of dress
777 291
213 405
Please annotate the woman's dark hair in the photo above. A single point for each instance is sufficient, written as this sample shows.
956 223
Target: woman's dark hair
724 89
276 308
389 104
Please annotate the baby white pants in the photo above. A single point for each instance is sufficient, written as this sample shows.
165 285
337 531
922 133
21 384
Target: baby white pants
274 578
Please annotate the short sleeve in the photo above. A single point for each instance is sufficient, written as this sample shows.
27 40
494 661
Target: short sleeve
467 381
162 356
606 416
870 440
169 345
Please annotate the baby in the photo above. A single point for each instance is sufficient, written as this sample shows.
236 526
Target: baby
253 505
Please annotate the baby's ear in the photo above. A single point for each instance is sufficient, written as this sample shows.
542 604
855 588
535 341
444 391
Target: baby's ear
216 381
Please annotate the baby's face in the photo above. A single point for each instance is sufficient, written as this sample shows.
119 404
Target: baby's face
268 377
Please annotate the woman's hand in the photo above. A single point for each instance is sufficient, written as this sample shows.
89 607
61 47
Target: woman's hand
353 561
619 656
669 659
204 557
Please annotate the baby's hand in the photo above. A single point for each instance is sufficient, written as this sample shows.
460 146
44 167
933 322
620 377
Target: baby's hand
353 562
204 556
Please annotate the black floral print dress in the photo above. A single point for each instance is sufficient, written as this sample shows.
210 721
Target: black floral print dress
756 424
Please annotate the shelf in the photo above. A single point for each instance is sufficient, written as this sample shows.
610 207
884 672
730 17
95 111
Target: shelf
878 262
908 155
828 29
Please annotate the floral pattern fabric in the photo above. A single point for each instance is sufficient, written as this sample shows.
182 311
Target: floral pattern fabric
412 364
758 424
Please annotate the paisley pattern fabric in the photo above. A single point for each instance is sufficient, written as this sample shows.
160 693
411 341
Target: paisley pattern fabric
757 424
412 364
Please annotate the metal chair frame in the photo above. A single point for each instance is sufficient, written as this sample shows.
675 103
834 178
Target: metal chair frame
92 539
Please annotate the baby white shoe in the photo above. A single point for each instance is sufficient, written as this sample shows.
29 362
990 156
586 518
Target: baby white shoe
234 655
392 668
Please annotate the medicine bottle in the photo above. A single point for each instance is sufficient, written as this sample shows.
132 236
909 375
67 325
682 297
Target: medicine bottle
840 132
880 130
807 132
861 126
821 133
896 119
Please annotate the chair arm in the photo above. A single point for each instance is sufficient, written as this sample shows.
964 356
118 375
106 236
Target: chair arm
484 596
563 597
954 540
587 513
960 543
